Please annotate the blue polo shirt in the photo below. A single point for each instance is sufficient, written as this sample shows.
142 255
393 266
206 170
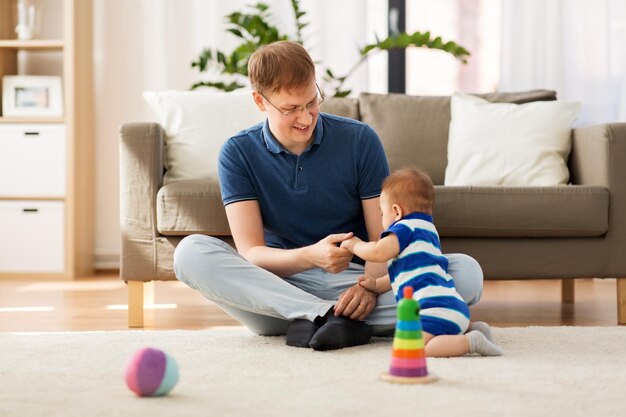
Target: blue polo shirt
304 198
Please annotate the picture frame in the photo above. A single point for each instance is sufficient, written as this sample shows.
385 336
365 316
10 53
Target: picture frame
32 96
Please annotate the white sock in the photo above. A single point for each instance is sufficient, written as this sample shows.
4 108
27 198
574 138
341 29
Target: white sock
484 328
478 343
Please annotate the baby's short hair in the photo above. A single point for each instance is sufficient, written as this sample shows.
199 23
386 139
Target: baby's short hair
280 65
410 188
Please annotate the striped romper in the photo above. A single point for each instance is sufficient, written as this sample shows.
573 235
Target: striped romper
421 265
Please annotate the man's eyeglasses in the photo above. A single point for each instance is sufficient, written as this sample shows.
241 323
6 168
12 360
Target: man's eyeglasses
309 107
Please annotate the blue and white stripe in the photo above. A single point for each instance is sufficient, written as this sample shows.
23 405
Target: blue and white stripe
421 265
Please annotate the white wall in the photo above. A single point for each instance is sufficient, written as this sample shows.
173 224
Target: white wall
474 24
149 44
125 64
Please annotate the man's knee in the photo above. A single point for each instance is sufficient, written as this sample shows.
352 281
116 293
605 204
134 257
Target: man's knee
188 253
468 276
185 250
191 245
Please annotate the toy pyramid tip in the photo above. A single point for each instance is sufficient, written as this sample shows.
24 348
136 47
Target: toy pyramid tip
407 292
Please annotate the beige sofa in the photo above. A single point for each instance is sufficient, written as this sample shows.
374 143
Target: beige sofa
562 232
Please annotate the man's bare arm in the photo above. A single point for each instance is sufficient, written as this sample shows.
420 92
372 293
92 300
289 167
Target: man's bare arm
246 225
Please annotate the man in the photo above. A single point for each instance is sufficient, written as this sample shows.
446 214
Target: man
294 188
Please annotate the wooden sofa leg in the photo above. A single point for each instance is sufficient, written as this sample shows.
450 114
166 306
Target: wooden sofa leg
135 304
140 294
567 291
621 301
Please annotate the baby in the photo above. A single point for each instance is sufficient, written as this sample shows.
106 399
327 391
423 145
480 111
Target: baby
410 245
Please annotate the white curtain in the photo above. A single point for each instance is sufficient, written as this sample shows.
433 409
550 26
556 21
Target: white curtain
166 35
576 47
149 45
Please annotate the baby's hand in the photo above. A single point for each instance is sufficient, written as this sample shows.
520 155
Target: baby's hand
368 283
349 243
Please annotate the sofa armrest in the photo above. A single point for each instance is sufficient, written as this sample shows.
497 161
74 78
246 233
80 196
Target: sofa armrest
141 177
599 158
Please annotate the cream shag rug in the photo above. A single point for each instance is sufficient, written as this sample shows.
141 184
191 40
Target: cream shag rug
546 371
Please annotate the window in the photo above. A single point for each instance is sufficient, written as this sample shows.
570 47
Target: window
474 24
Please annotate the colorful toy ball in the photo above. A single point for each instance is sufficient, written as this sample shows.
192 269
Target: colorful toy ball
151 373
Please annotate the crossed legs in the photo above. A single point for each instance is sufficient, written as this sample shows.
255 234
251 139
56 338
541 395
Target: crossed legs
266 303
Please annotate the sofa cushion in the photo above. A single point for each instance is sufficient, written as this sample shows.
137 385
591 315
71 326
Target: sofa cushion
509 144
341 106
196 124
186 207
414 129
500 211
195 206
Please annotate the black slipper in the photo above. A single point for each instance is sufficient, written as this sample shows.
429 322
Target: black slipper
300 332
341 332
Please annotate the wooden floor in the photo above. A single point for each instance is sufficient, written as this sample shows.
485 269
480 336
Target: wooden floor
99 303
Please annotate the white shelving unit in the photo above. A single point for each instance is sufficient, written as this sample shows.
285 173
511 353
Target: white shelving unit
46 163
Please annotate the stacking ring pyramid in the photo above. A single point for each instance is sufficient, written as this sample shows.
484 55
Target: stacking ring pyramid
408 360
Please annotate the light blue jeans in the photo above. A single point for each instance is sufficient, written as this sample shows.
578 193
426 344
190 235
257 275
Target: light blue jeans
265 303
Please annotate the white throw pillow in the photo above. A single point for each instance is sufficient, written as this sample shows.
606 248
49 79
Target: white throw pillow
196 124
509 144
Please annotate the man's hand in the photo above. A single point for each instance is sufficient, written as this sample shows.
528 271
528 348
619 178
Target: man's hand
326 255
356 302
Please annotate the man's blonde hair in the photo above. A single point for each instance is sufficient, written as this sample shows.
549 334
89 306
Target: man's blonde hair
280 65
411 189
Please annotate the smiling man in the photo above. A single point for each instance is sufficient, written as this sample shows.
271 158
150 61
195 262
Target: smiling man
294 188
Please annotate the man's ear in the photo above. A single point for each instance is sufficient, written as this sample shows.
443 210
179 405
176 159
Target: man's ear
258 100
397 210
